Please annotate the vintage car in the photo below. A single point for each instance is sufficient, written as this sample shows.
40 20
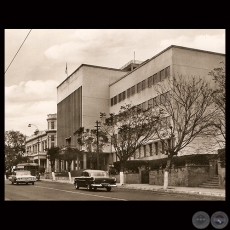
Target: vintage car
22 176
93 179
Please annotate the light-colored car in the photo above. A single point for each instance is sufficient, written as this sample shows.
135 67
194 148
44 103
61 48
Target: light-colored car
22 176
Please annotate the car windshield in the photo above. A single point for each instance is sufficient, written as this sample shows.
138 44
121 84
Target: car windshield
103 174
18 173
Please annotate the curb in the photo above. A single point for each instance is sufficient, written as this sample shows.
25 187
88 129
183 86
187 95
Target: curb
174 191
154 189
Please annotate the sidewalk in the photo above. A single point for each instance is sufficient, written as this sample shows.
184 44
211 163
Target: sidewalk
214 192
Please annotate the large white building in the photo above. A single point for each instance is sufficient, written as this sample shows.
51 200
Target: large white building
90 90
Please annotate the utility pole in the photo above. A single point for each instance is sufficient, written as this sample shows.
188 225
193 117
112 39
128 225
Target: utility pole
97 126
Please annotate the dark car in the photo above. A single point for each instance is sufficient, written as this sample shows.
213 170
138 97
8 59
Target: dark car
93 179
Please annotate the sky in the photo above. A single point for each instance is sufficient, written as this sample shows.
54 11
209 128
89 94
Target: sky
36 59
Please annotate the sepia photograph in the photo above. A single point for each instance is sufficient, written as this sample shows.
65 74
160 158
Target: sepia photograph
116 115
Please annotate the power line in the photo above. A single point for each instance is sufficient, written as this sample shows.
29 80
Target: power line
18 50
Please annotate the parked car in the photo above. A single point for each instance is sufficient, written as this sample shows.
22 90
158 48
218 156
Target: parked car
22 176
93 179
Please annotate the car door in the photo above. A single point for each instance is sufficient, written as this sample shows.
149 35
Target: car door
82 180
87 178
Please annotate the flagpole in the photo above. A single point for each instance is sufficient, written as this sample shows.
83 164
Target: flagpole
66 71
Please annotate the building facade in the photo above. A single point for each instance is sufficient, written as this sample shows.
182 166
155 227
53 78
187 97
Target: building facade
93 89
38 143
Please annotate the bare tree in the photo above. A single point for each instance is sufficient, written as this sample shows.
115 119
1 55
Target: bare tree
131 128
186 110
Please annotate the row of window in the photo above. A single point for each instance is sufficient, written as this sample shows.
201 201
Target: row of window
155 101
153 149
154 79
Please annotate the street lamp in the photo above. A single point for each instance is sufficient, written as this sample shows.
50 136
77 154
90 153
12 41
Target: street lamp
36 132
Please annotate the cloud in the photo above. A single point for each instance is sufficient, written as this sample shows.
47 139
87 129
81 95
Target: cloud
31 91
214 43
88 44
28 102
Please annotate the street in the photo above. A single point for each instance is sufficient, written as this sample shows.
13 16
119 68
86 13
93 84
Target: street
43 190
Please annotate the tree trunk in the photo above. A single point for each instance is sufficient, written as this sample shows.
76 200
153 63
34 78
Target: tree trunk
53 175
69 169
122 177
52 168
166 173
70 179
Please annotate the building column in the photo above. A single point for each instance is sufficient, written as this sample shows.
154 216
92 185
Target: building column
84 161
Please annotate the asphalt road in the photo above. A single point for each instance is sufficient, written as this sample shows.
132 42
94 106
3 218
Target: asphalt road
62 192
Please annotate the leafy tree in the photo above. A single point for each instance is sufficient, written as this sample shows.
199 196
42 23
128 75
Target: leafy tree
69 154
14 148
52 155
186 111
131 128
219 96
94 144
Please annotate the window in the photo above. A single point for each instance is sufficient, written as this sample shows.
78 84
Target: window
156 78
169 143
150 81
139 106
119 97
167 95
139 150
156 147
144 105
52 124
157 100
139 88
163 147
150 103
133 90
154 102
111 101
52 145
162 75
52 137
162 98
150 149
143 85
115 100
144 150
123 96
128 93
167 71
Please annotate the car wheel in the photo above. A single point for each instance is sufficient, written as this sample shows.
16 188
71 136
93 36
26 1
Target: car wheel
108 189
32 183
76 186
89 187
